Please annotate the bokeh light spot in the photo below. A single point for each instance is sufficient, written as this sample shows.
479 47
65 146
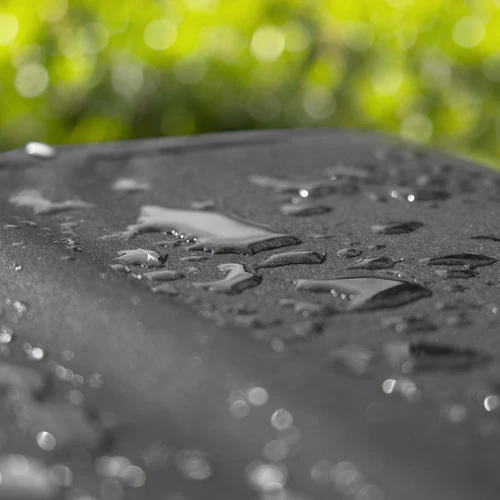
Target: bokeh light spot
468 31
160 34
268 43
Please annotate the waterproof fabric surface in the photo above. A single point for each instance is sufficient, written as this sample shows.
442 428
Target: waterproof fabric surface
394 376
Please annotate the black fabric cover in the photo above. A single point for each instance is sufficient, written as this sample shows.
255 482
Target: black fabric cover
169 363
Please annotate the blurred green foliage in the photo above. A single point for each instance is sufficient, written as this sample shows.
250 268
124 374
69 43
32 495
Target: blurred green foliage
97 70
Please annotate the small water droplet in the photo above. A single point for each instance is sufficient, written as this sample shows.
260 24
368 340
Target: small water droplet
396 227
432 356
40 150
213 231
305 209
203 205
130 185
487 237
455 273
294 257
42 206
305 308
122 268
322 187
281 419
349 253
194 465
365 292
133 476
257 396
408 324
321 472
165 275
46 441
276 450
469 260
140 257
239 408
237 279
374 263
419 194
354 359
265 477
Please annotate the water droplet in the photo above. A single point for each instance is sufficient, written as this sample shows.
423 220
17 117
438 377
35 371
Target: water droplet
281 419
396 227
203 205
26 478
276 451
455 273
257 396
266 477
365 292
133 476
322 187
42 206
491 402
40 150
305 308
374 263
96 381
321 472
349 253
420 355
122 268
62 475
6 335
237 279
194 464
469 260
295 257
111 467
140 257
348 171
306 329
353 359
213 231
239 408
408 324
130 185
70 426
419 194
303 209
33 353
165 275
194 258
487 237
456 414
46 441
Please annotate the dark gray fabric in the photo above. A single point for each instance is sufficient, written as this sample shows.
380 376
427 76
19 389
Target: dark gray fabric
170 363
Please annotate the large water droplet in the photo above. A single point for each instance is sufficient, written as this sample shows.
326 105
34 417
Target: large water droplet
40 150
212 231
266 477
304 209
130 185
374 263
365 292
140 257
469 260
40 205
237 279
295 257
396 227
